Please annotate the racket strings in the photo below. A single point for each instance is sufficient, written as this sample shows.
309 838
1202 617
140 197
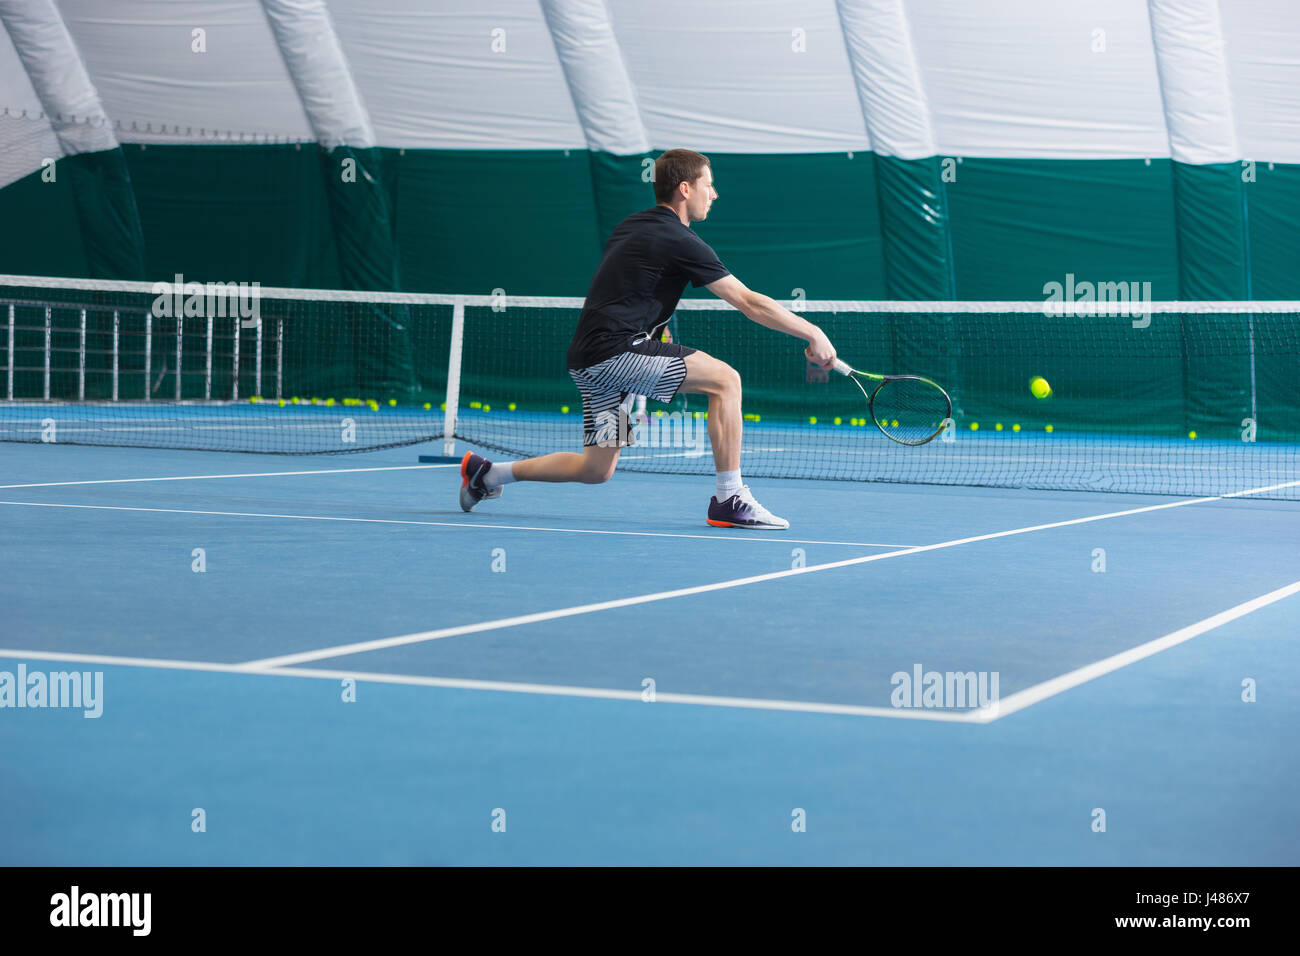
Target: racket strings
910 410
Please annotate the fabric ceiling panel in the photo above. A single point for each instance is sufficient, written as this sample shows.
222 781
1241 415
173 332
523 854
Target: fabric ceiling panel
1019 78
729 77
1260 40
156 89
467 78
27 139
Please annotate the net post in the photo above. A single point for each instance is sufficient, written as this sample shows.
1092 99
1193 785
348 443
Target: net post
148 354
207 372
81 361
10 378
453 376
116 338
180 336
279 359
1253 416
234 395
46 390
257 364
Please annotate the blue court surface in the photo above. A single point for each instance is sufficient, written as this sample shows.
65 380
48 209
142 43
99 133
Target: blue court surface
322 660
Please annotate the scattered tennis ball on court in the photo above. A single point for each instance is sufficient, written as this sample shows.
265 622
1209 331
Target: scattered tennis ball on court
1192 435
998 427
511 406
1049 429
392 403
974 426
294 399
564 409
837 421
894 423
487 408
374 405
282 403
442 407
329 403
812 420
1038 387
255 399
1015 428
427 406
475 404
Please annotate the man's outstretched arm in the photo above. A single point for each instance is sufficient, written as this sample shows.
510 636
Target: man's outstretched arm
768 312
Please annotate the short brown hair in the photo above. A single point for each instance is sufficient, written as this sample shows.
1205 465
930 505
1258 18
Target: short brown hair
675 167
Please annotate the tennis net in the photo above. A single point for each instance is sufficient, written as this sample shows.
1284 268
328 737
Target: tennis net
1179 398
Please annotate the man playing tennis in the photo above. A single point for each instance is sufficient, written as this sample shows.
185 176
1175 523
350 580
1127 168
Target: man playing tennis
617 354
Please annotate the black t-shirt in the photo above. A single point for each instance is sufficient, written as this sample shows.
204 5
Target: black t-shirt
647 262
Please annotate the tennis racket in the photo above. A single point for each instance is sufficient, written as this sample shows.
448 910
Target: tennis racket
908 409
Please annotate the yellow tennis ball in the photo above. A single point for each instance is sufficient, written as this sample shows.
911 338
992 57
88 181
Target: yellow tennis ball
1015 428
282 403
1039 388
1049 429
511 406
974 426
894 423
427 406
812 420
392 403
1191 435
487 408
998 427
837 421
564 409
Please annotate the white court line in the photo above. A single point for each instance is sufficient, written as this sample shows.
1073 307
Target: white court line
1007 705
1058 685
738 536
511 687
360 647
264 474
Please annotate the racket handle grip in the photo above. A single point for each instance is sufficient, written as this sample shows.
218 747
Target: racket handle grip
842 367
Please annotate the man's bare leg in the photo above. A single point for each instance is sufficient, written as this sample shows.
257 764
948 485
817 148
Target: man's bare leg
595 465
733 505
705 375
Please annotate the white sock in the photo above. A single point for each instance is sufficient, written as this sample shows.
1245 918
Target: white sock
501 473
728 484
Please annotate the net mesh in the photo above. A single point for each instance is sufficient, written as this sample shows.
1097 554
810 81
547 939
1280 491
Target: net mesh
1186 399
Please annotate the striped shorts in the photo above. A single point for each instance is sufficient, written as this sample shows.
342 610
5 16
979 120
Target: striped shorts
609 388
